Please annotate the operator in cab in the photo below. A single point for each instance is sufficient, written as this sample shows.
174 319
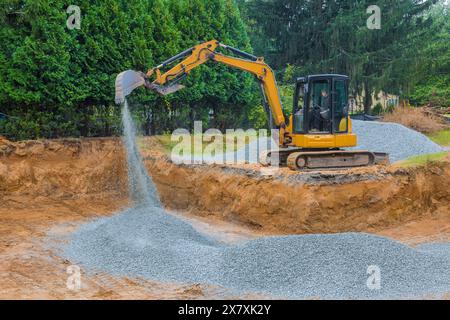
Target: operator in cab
321 113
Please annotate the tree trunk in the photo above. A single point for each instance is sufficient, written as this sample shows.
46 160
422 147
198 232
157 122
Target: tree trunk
367 98
84 127
148 121
107 128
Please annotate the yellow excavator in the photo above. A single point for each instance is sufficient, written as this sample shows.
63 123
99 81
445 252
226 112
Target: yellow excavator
313 137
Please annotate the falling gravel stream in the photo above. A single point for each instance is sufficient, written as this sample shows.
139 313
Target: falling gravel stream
145 241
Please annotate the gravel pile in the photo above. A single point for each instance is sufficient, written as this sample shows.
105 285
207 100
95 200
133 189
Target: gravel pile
397 140
439 248
150 243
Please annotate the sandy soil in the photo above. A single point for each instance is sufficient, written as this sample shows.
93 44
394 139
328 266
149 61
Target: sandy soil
50 187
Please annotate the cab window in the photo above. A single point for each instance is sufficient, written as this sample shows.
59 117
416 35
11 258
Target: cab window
320 106
340 118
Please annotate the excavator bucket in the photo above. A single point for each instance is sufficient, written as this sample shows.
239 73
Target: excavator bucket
129 80
126 82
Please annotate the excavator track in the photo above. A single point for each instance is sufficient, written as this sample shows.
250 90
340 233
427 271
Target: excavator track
299 159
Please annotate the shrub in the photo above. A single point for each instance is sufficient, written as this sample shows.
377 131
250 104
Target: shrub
378 109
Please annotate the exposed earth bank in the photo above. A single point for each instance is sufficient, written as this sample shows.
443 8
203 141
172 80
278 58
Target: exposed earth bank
367 199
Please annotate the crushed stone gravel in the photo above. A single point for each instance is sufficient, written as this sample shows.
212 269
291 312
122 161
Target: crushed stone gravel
150 243
395 139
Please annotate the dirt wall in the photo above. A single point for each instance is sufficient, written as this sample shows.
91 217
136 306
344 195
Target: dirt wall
60 168
366 202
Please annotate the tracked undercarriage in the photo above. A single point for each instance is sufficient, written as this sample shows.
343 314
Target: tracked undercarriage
301 159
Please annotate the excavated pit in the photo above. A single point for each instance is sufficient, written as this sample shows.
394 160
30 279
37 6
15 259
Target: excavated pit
147 241
80 173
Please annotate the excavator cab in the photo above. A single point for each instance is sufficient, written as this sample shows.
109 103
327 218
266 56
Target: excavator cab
321 105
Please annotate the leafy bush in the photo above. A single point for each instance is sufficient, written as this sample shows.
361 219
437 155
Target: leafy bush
59 82
378 109
258 117
433 91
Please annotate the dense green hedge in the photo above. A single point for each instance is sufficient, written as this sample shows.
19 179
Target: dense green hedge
58 82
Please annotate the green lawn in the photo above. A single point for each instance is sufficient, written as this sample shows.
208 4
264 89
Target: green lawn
441 137
168 144
423 159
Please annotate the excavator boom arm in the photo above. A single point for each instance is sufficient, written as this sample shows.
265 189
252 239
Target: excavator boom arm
192 58
167 82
